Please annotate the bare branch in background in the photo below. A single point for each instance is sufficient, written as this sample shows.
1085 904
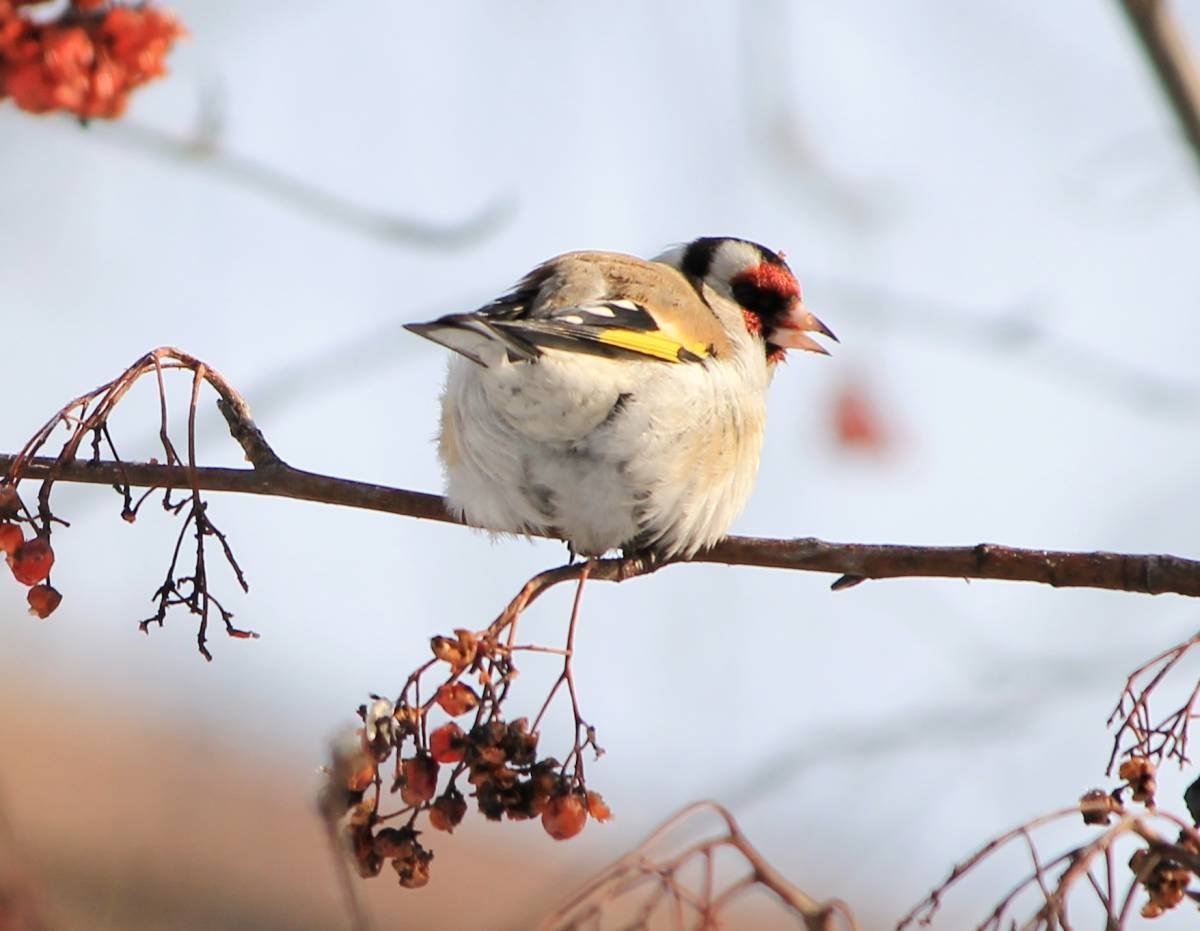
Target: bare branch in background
203 150
1163 40
1160 869
1012 329
769 105
21 906
649 883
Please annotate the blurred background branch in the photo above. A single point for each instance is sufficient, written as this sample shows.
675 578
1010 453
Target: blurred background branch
203 150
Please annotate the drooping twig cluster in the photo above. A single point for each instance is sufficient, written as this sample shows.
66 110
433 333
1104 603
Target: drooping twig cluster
1158 871
491 757
87 418
87 60
1139 733
687 885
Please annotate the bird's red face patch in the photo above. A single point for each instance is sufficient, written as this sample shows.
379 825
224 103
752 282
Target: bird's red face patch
753 322
771 278
767 292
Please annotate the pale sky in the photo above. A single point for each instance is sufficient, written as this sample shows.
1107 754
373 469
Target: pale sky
992 207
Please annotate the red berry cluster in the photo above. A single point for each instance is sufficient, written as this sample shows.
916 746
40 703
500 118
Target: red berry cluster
85 62
498 759
28 559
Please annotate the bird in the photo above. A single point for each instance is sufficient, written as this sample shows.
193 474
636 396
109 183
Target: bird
618 403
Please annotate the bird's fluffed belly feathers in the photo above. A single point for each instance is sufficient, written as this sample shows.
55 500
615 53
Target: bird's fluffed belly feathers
578 451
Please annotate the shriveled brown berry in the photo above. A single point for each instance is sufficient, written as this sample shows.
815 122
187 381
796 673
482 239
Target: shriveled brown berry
43 599
546 776
420 779
32 561
1096 805
10 502
1141 775
447 743
11 539
565 816
362 848
489 801
408 720
456 698
413 870
448 811
394 842
459 651
597 808
1168 884
520 746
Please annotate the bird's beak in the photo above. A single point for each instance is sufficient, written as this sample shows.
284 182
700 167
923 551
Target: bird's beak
792 331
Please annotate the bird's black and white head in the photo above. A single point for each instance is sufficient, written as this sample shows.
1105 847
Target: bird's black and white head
760 282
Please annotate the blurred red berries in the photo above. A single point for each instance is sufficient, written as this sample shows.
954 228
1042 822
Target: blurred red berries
858 424
32 561
85 62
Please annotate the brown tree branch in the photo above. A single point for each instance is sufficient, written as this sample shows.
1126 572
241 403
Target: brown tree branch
1164 42
854 562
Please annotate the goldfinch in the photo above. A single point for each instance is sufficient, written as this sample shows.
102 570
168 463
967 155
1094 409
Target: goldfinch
619 403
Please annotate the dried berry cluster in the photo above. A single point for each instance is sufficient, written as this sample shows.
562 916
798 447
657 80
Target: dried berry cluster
1165 880
30 559
496 759
85 62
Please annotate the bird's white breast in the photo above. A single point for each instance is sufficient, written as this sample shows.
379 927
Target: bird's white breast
603 452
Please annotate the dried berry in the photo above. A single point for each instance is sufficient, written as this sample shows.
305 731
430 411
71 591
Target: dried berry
43 599
394 842
10 502
597 808
1096 805
446 744
520 746
456 698
565 816
1141 775
32 561
362 848
448 811
420 779
11 538
413 870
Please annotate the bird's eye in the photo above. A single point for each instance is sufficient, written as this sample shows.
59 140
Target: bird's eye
767 304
